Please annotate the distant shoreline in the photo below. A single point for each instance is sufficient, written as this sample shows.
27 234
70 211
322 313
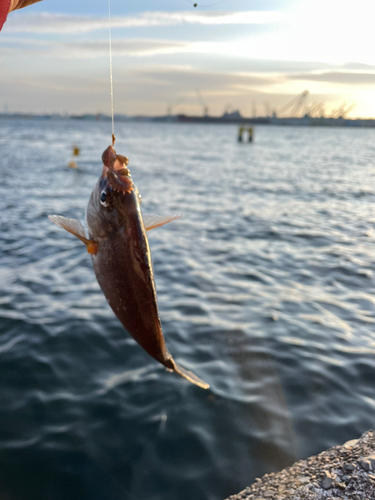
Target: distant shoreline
305 121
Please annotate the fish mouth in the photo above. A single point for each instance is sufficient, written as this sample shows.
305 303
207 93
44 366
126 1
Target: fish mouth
116 171
121 183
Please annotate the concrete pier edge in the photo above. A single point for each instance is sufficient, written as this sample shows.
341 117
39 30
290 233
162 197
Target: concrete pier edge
346 472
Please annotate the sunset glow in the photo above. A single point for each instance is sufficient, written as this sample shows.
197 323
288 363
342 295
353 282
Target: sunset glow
58 56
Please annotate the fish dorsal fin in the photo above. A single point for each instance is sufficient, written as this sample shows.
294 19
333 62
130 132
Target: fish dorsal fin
75 227
151 220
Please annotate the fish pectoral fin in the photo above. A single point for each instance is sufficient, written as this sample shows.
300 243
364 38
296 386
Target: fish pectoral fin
151 220
189 375
75 227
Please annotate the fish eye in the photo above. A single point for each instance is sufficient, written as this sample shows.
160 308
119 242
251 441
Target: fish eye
103 196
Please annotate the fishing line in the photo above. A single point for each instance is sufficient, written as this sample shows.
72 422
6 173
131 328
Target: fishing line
110 56
110 71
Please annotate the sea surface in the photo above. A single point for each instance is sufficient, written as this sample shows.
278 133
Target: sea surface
266 291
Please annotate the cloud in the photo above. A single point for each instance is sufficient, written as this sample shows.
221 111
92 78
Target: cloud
19 47
186 79
92 48
130 47
134 47
183 80
64 23
337 77
358 66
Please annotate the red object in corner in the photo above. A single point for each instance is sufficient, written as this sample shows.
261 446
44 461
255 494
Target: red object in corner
4 9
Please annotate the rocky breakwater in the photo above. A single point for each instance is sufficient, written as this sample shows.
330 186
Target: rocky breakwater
346 472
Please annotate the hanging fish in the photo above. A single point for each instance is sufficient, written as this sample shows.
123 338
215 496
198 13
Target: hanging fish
121 256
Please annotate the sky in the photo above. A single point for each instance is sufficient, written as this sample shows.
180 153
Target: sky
256 56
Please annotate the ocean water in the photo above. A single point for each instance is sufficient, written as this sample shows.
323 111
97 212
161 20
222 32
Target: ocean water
265 289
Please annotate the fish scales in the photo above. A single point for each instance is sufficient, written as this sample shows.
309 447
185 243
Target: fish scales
123 269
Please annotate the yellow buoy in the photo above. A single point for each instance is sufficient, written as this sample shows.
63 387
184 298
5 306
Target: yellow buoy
240 132
250 134
75 152
250 131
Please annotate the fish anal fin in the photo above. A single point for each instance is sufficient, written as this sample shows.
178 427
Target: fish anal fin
75 227
151 221
188 375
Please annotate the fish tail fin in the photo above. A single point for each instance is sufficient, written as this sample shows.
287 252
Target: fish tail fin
188 375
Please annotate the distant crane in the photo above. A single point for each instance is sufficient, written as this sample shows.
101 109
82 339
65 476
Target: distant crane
170 107
346 111
309 110
267 108
295 104
203 104
342 111
270 113
254 109
336 113
315 108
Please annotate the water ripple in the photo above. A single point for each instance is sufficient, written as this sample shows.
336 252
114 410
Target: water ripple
266 290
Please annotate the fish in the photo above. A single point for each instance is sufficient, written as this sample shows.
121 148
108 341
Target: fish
121 257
